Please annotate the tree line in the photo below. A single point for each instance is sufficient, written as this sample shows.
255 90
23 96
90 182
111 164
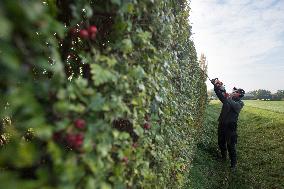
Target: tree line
256 94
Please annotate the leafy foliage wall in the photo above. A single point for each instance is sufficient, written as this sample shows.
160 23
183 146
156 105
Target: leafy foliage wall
98 94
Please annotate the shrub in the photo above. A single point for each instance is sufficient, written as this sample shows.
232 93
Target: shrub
100 94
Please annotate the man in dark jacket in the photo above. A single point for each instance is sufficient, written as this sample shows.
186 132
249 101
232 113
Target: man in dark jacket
227 129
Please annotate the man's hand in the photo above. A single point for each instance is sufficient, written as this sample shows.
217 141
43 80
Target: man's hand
216 82
212 81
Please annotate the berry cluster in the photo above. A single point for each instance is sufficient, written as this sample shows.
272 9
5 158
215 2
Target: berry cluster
80 123
73 139
89 33
147 126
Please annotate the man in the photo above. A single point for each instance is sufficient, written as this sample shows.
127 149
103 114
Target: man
227 129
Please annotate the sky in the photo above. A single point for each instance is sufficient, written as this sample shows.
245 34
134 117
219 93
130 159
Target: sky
243 41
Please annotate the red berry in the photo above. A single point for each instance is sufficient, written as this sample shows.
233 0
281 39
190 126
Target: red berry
79 137
92 30
75 140
80 123
79 140
70 139
147 126
84 34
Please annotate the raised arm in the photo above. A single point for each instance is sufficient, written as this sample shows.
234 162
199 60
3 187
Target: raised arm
220 94
219 89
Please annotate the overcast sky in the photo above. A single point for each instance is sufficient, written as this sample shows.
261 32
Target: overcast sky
243 41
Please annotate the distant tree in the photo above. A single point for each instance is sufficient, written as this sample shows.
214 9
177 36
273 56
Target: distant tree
249 96
279 95
253 93
261 94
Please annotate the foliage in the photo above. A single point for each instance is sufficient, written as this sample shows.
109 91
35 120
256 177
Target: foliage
98 94
264 95
261 94
279 95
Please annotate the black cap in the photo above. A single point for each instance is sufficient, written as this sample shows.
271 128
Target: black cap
240 91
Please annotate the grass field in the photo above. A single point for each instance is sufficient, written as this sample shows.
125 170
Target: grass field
260 150
277 106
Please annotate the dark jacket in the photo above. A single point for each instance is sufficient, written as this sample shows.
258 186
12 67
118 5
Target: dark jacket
230 109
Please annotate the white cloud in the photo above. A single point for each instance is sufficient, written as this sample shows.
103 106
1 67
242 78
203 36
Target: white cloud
237 36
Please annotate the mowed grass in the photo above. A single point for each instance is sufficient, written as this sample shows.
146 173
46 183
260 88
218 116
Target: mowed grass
260 152
261 148
276 106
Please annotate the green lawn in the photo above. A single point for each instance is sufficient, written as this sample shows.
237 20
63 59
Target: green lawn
260 152
277 106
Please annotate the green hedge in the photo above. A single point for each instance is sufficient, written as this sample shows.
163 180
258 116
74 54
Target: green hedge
98 94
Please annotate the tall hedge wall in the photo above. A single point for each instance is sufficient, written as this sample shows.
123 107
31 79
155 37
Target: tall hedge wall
98 94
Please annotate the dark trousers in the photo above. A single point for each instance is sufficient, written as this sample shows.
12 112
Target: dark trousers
227 140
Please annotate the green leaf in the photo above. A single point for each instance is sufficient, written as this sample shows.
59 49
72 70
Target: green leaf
55 152
33 10
105 107
81 83
101 75
105 186
61 107
134 102
88 11
52 8
117 2
25 155
78 107
91 164
144 37
137 72
97 102
128 8
126 45
43 131
103 149
5 27
111 61
90 182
